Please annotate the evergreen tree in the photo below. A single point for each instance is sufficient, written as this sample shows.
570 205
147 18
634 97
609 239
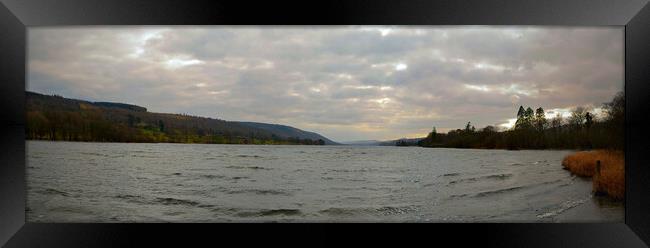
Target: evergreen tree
520 117
529 116
540 119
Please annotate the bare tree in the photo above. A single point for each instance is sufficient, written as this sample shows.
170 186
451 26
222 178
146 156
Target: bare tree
578 116
556 122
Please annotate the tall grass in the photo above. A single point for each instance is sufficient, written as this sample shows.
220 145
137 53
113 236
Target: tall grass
610 181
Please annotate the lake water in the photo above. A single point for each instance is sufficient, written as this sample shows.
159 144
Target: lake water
117 182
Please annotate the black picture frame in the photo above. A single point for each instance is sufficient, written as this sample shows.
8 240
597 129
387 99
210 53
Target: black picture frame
17 15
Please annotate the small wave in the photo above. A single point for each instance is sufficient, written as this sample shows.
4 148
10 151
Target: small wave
473 179
247 167
220 211
498 191
489 192
342 188
259 192
50 191
450 175
563 207
174 201
353 170
388 210
248 156
346 179
94 154
208 206
498 176
341 211
430 184
142 156
127 196
174 213
270 212
131 198
212 176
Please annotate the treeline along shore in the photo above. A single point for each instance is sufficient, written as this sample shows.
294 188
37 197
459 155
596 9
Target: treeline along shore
600 137
57 118
532 130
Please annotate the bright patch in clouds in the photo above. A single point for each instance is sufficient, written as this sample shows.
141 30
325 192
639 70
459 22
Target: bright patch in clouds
552 113
486 66
178 63
217 92
382 101
401 66
509 124
141 42
477 87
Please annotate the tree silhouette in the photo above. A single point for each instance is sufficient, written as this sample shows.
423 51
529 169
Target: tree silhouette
588 120
540 119
577 118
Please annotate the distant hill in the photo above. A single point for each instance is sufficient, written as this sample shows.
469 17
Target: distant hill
59 118
401 142
120 105
288 132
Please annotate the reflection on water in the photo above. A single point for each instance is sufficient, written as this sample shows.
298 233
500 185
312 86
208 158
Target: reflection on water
110 182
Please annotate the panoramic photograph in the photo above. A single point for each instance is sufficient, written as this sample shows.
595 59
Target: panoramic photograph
463 124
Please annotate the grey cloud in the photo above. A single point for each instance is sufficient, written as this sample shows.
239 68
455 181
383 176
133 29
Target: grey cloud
329 79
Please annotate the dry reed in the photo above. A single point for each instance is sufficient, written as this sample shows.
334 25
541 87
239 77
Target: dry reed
610 181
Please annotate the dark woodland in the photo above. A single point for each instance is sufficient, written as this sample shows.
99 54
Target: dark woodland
61 119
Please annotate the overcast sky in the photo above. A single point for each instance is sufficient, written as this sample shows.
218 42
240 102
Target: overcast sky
347 83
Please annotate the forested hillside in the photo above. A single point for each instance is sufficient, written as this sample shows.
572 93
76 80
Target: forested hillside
288 132
58 118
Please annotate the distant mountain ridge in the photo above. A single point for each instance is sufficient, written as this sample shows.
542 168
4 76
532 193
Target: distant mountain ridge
54 117
396 142
284 131
401 142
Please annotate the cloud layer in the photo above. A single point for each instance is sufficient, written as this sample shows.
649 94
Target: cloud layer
347 83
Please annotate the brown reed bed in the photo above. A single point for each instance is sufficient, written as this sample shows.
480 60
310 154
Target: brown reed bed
611 179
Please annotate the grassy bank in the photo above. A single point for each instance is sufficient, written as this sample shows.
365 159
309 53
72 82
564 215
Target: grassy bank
611 179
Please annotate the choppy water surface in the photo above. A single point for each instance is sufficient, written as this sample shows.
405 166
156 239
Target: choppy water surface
111 182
